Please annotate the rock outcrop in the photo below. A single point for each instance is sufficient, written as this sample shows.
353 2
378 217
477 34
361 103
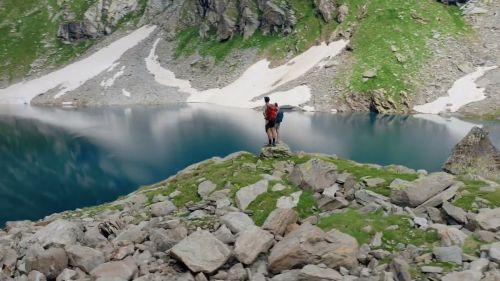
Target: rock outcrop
474 154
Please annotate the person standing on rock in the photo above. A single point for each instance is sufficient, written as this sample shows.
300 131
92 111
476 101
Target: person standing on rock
270 113
279 119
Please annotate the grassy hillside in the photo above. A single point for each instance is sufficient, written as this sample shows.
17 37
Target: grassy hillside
388 36
28 35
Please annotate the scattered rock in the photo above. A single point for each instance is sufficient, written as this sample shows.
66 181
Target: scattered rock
401 269
468 275
236 221
161 209
205 188
248 194
489 219
59 232
251 242
84 258
201 252
422 189
448 254
115 270
289 202
314 175
456 213
279 219
50 262
281 150
315 273
371 73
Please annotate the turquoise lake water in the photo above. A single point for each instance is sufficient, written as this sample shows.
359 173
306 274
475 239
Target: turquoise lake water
54 159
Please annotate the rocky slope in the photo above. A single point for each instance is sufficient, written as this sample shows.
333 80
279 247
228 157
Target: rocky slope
401 53
280 216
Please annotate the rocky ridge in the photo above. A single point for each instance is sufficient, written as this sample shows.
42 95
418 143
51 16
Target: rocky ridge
342 227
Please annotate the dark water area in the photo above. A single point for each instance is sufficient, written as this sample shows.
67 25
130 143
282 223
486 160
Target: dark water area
53 159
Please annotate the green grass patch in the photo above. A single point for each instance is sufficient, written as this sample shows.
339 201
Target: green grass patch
471 246
471 192
402 25
359 171
351 222
309 30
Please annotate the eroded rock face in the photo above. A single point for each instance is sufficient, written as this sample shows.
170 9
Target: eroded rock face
474 154
201 252
310 245
327 9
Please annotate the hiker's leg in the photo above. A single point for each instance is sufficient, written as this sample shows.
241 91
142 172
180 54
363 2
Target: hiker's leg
275 135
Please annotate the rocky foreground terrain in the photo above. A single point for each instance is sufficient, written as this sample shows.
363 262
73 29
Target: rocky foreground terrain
282 217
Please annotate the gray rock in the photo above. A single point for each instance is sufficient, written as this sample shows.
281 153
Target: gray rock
434 214
451 236
377 240
314 175
115 270
289 202
474 154
205 188
201 252
237 273
331 190
84 258
308 245
422 189
67 274
365 197
431 269
289 275
197 215
343 12
281 150
373 182
251 242
315 273
398 184
326 9
224 235
439 198
258 277
456 213
480 265
468 275
401 269
279 219
330 204
161 209
200 277
494 252
133 233
36 276
489 219
50 262
164 239
236 221
448 254
248 194
59 232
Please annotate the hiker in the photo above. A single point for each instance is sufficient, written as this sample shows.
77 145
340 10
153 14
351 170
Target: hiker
279 119
270 113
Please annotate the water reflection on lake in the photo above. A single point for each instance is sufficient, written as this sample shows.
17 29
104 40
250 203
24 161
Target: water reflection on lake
57 159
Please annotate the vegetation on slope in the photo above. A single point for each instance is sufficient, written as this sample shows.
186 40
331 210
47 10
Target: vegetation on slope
28 35
388 36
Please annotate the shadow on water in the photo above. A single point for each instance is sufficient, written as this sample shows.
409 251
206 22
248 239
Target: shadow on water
55 159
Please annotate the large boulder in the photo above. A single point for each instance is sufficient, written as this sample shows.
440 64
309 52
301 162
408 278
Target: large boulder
489 219
327 9
422 189
310 245
133 233
201 252
164 239
279 219
236 221
161 209
474 154
115 270
84 258
251 242
50 262
59 232
314 175
281 150
248 194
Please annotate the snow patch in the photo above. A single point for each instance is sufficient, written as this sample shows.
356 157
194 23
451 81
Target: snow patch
74 75
126 93
106 83
259 79
463 91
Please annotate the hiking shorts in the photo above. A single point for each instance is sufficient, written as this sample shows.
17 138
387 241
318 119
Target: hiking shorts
277 126
270 124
